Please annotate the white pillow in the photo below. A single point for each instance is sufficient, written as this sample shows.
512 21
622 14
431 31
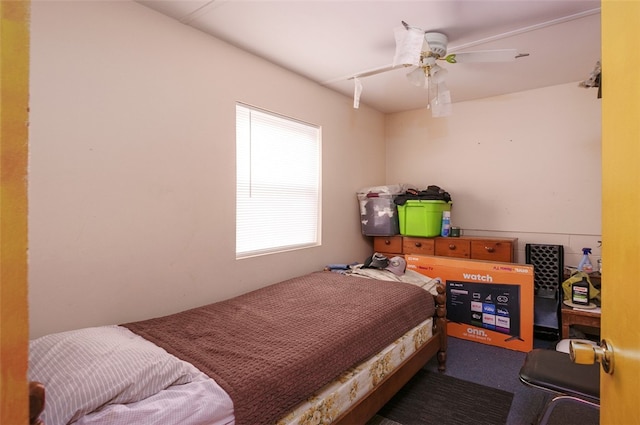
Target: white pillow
85 369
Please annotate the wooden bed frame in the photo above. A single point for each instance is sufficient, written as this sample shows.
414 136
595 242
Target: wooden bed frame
367 407
36 403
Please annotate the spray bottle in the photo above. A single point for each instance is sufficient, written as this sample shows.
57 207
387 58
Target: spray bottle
585 264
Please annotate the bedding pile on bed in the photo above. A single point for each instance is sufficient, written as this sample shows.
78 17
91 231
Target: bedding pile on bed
269 349
86 369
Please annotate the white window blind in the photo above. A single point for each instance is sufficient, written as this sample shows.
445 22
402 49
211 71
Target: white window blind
277 183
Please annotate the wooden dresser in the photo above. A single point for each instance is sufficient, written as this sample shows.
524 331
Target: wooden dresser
472 247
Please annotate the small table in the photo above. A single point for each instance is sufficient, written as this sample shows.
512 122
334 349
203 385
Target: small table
571 316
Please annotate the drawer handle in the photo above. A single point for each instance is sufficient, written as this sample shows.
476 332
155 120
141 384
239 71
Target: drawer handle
418 244
387 242
452 247
489 248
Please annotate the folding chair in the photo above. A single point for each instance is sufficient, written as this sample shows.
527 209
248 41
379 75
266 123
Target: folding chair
576 387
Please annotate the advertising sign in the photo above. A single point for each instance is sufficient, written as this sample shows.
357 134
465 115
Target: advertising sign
487 302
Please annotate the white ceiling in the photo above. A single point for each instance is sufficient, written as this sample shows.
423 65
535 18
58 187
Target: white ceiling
329 41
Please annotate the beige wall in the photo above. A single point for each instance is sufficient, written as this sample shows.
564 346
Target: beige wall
132 177
525 165
132 166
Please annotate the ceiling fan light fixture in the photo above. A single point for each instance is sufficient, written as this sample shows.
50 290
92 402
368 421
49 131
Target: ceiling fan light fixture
438 74
417 77
437 43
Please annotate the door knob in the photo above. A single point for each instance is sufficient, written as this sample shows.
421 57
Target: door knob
584 353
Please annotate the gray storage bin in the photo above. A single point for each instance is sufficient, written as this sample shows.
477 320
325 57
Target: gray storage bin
378 211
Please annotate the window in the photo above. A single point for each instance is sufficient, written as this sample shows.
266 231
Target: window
277 183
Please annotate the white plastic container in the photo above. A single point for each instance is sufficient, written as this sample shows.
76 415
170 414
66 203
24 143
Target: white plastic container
446 223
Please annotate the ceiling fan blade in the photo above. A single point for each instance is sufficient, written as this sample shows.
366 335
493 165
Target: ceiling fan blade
409 41
376 71
440 103
357 91
504 55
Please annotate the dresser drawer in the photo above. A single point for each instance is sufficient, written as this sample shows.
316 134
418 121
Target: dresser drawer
388 244
453 247
492 250
472 247
418 246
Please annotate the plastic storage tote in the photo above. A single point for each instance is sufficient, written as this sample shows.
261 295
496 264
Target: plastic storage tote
378 211
422 217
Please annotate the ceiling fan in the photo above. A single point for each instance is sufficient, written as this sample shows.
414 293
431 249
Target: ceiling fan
421 50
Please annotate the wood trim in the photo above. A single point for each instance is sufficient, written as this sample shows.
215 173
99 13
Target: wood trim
14 317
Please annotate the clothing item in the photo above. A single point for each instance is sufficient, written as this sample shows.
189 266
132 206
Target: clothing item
376 261
397 266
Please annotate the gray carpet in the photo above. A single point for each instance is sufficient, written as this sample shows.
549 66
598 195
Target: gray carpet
435 398
493 367
497 368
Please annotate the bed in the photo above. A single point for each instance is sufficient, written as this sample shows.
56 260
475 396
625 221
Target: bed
320 348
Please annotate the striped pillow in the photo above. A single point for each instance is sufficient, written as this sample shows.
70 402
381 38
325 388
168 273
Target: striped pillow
85 369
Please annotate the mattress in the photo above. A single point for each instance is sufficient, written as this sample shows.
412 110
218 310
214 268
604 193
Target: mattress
328 403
